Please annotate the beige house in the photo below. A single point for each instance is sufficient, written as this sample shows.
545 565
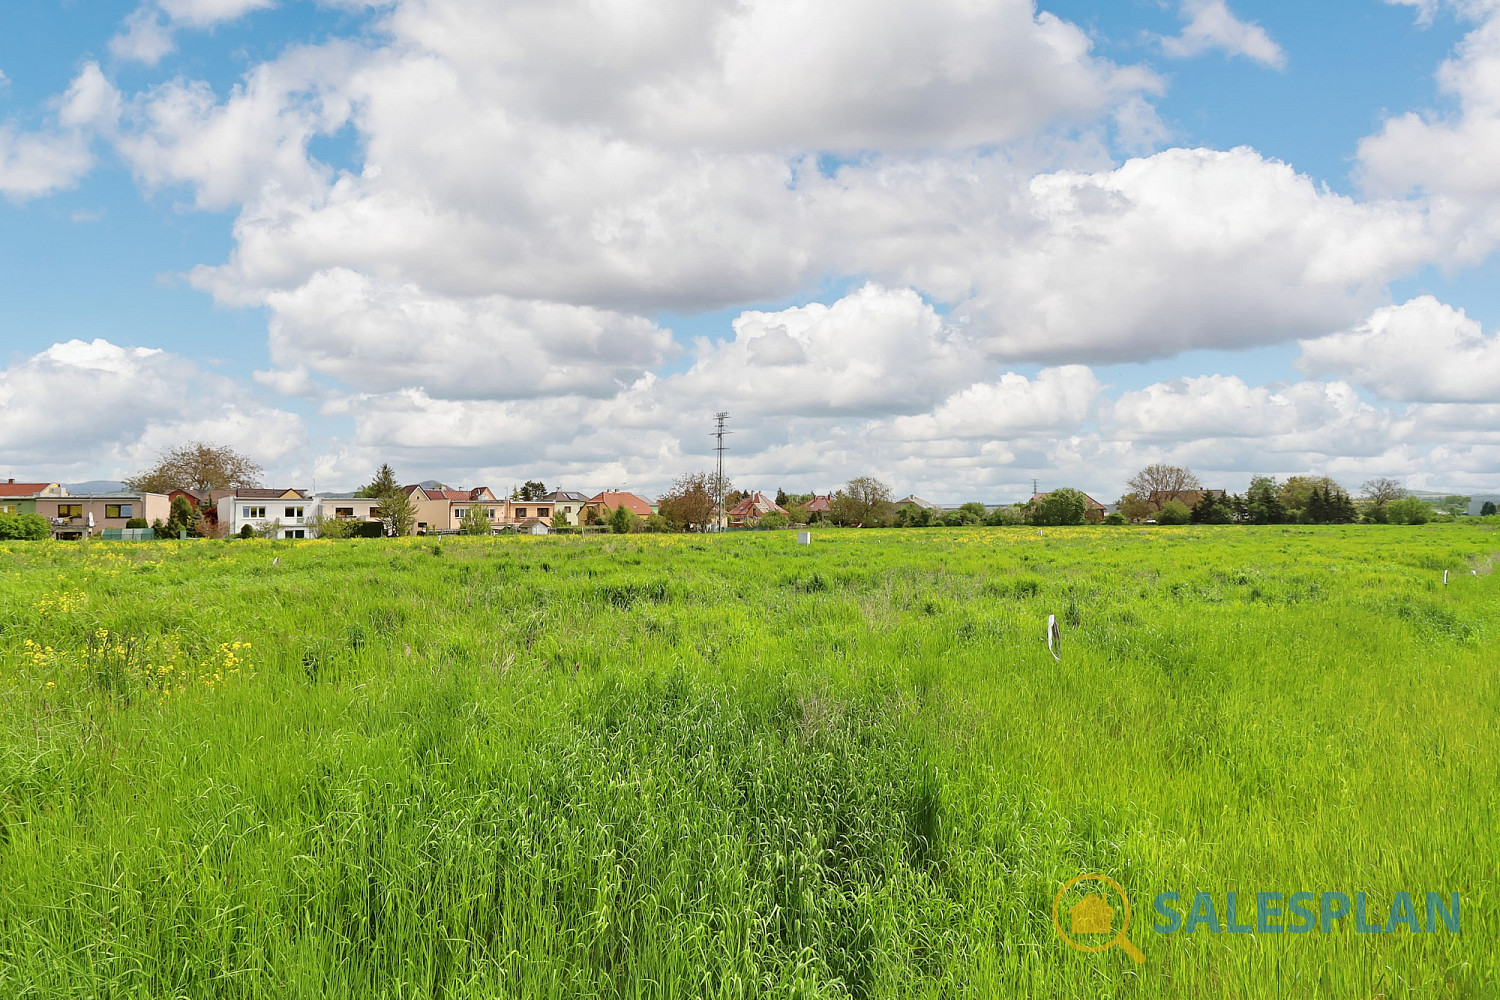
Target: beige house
444 510
347 507
78 517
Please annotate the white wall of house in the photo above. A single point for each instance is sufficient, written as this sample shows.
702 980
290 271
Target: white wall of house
293 515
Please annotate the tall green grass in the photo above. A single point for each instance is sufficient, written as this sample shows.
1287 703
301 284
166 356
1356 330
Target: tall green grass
736 767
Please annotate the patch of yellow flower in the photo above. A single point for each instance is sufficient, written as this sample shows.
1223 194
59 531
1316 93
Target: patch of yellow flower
64 602
114 663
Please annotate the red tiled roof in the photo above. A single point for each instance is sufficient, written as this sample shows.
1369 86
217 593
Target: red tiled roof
821 504
612 500
756 505
23 489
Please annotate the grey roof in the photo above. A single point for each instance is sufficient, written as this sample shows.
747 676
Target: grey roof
564 496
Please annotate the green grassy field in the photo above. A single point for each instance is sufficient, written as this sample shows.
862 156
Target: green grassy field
734 767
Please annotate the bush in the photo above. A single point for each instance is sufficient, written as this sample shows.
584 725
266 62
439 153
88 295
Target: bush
247 532
774 520
137 522
1488 509
1061 507
656 523
24 528
1408 511
1115 518
1006 517
1174 512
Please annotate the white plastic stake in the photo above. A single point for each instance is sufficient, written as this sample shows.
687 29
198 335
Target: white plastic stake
1054 638
276 561
804 538
1445 578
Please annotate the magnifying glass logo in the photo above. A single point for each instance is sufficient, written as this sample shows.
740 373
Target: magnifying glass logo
1094 915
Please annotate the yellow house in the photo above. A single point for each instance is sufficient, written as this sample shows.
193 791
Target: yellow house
444 510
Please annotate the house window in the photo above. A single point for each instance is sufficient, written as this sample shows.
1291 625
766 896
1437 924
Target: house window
296 533
492 513
70 510
375 513
542 511
294 512
520 511
460 512
343 512
255 512
7 508
118 510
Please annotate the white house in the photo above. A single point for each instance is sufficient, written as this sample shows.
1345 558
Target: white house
290 510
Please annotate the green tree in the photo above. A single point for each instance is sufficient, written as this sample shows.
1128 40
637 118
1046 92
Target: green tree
24 528
1409 511
182 518
1455 505
1213 508
531 491
197 466
1488 509
1379 493
689 504
398 512
1135 507
476 520
1064 506
972 512
1006 516
623 520
1263 501
773 520
1296 493
383 483
864 501
1174 512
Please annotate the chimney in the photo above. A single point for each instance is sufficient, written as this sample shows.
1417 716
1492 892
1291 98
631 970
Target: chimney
12 479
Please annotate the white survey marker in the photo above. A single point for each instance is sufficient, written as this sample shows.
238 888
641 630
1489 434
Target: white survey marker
1054 638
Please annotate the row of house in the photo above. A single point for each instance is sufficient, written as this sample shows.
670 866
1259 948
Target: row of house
292 513
295 513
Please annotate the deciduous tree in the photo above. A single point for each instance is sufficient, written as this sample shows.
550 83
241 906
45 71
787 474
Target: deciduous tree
1064 506
197 466
1159 482
690 501
864 501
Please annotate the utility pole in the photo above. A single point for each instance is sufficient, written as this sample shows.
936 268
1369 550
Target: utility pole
718 433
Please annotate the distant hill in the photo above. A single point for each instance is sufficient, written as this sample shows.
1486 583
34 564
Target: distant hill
95 486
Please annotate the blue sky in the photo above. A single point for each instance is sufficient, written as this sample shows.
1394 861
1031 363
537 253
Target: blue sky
958 245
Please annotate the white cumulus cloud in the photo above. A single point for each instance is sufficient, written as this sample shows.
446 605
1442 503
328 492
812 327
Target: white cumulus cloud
1212 26
1420 351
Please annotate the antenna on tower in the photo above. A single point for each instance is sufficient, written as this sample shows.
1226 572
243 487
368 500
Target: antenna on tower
720 447
1034 489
